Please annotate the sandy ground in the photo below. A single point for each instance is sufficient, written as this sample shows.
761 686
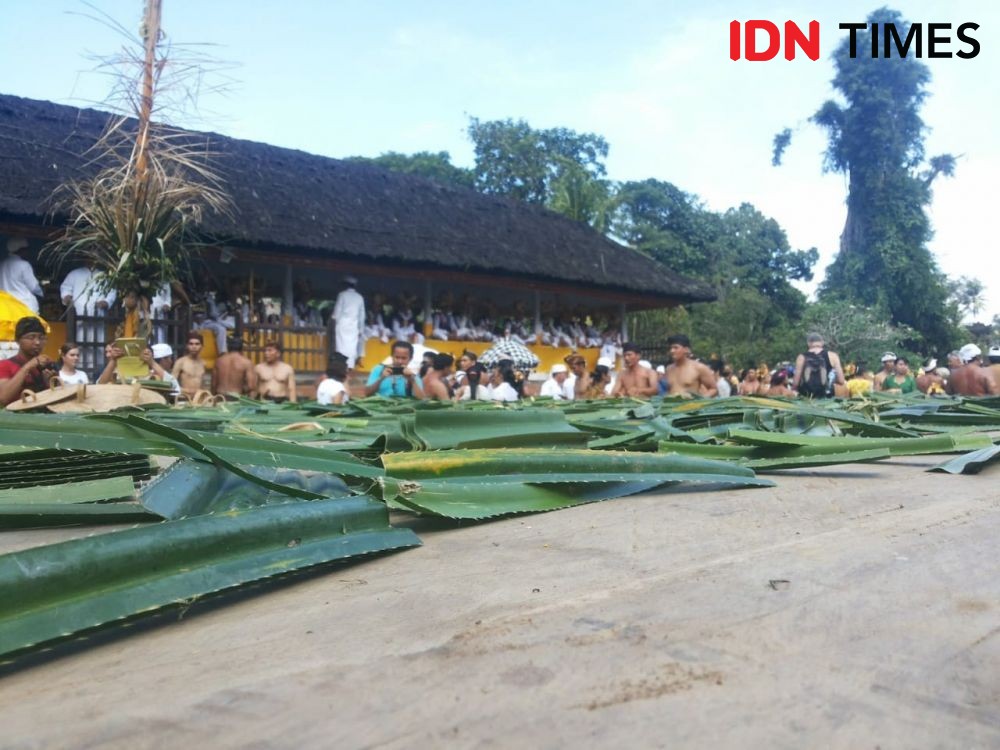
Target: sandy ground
854 607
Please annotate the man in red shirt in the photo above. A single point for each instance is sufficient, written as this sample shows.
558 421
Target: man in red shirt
24 369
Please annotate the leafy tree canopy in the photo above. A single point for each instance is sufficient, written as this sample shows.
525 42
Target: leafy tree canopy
434 166
516 160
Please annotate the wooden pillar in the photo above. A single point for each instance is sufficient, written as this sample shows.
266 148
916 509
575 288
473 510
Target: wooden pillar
288 298
624 324
538 316
428 308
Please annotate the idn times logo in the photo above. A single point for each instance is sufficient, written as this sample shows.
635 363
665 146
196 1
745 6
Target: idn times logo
760 40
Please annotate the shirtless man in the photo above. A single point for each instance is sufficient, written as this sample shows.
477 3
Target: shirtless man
971 379
190 369
635 380
275 379
579 380
436 379
234 373
888 368
686 376
994 359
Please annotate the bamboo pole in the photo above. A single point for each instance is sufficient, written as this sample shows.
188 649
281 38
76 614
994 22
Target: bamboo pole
150 38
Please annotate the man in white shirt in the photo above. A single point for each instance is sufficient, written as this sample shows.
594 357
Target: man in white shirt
553 387
17 278
349 317
82 289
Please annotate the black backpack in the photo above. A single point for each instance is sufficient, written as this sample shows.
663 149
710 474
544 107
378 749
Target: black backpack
815 381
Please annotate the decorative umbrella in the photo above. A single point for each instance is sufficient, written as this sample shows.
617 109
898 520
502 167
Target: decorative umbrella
522 357
11 311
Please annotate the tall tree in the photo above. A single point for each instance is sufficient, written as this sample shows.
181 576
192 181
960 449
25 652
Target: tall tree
672 226
434 166
876 138
740 248
516 160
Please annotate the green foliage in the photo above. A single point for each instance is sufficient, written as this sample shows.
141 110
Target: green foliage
515 160
858 333
876 137
433 166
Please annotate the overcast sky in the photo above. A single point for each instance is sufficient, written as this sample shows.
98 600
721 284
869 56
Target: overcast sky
654 78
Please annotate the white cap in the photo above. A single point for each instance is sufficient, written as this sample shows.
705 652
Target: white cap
931 364
605 362
162 350
889 357
969 352
352 280
556 369
661 369
15 244
994 351
646 363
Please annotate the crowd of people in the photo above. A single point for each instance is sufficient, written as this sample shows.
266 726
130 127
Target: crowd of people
414 371
816 373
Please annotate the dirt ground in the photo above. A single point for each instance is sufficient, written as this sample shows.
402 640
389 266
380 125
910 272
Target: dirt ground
850 607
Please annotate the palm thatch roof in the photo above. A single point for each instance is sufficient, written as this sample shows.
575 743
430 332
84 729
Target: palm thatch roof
293 202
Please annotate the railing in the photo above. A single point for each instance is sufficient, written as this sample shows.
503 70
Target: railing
305 348
92 332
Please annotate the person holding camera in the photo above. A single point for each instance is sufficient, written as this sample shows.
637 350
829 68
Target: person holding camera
29 368
396 380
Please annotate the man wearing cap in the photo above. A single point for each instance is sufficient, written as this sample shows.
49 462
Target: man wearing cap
17 278
25 369
349 320
553 387
971 379
160 359
888 368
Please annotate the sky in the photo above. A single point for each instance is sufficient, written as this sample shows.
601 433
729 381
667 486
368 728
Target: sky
654 78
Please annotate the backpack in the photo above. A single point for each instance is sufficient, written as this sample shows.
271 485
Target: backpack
816 368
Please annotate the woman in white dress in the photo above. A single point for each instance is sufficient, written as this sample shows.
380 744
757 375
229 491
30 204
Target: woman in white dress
70 357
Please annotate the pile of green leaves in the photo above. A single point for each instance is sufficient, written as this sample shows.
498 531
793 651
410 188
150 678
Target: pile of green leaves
243 492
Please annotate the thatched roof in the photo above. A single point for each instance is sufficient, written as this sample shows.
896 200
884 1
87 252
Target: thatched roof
294 202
